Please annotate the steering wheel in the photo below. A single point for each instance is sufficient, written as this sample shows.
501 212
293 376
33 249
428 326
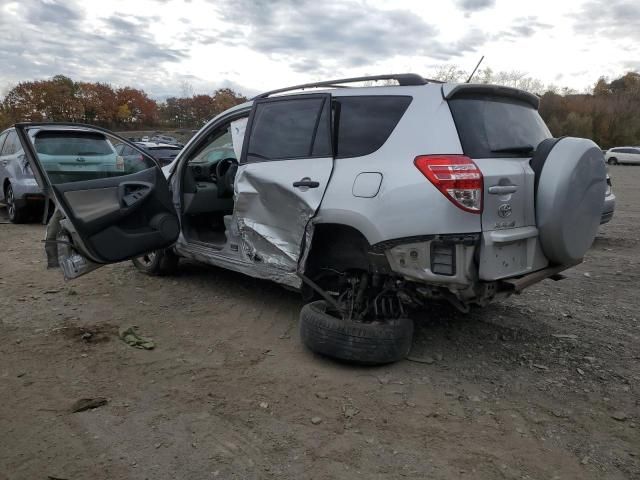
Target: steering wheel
226 172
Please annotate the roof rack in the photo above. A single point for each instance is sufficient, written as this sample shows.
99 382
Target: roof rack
403 79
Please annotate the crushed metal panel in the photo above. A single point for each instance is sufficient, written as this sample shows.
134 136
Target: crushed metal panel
72 263
271 214
238 263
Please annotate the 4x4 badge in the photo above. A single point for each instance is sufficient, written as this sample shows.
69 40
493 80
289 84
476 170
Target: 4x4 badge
504 210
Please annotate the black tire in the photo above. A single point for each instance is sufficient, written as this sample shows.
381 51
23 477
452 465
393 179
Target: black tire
16 214
363 343
157 263
612 161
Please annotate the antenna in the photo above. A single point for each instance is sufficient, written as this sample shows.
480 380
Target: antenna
474 70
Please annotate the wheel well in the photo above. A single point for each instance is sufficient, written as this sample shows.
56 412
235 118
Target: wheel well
338 247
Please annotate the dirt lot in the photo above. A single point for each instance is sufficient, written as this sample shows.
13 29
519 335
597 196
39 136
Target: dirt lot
542 386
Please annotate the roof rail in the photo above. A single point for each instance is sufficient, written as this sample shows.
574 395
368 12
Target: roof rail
403 79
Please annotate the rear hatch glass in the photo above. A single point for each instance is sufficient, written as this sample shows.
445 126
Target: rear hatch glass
492 126
501 134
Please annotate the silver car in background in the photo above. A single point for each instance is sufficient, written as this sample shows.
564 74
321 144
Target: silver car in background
19 190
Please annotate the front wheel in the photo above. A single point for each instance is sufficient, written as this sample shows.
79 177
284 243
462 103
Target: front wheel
368 343
156 263
613 161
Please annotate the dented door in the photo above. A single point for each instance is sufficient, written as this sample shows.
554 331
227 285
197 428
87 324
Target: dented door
285 167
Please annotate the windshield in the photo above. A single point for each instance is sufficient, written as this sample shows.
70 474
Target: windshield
492 126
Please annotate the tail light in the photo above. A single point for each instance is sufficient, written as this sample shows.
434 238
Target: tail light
456 176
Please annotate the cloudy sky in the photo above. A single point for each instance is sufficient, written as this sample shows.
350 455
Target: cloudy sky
254 45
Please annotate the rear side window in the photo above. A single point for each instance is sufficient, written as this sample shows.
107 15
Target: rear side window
289 128
365 123
493 126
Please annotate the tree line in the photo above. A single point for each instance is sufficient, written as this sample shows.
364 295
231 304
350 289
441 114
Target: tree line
609 113
60 99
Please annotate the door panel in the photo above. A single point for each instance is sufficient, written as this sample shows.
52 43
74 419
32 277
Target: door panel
286 164
272 215
115 210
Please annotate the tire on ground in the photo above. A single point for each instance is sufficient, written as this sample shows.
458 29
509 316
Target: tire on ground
363 343
163 262
16 214
570 189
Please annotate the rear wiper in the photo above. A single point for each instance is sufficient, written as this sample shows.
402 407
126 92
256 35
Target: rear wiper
515 149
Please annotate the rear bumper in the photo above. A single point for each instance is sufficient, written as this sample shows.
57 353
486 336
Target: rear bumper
510 253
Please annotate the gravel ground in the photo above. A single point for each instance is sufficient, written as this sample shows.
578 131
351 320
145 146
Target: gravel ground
544 385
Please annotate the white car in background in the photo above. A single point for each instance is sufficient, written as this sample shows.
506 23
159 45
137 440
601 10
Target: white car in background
618 155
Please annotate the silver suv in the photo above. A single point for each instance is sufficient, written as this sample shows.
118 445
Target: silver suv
371 201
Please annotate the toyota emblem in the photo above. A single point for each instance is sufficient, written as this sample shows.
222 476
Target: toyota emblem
504 210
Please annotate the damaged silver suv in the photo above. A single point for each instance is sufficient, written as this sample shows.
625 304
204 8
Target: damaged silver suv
369 200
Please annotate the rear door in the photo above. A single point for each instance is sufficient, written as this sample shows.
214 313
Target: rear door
113 211
285 167
499 129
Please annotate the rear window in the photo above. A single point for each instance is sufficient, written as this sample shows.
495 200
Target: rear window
490 125
365 123
65 143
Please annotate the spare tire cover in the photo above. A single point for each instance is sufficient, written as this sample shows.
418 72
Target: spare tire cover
569 199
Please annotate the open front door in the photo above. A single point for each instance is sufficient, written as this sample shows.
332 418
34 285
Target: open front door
114 208
286 163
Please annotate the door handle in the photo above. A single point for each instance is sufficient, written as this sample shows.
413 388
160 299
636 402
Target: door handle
306 182
503 189
131 193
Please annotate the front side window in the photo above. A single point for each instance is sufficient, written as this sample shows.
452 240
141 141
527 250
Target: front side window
290 128
216 146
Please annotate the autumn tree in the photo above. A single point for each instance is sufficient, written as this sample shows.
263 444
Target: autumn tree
140 109
99 103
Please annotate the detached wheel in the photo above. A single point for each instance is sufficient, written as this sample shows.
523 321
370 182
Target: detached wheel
156 263
363 343
15 213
